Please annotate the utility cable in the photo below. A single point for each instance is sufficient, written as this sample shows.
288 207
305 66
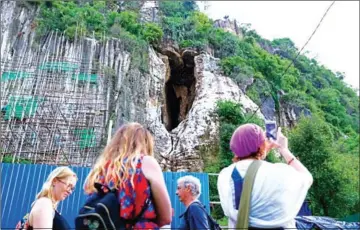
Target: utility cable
292 61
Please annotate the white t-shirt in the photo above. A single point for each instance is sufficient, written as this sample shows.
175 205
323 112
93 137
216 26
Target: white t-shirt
277 195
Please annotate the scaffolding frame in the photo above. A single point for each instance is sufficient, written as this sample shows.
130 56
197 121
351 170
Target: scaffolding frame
53 107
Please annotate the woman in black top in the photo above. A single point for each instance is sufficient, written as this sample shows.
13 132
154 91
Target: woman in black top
58 186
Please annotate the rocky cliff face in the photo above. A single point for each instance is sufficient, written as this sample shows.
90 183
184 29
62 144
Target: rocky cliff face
200 127
88 88
229 26
83 85
17 27
150 11
288 114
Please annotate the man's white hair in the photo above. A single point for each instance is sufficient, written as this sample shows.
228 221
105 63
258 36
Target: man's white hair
193 183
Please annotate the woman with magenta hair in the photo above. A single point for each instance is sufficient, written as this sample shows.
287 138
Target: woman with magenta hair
279 189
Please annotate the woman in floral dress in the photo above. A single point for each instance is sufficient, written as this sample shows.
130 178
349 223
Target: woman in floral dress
128 164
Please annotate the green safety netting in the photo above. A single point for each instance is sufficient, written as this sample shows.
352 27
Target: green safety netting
92 78
86 136
65 66
20 107
14 75
352 218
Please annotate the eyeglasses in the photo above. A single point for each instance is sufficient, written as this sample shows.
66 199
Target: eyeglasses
68 186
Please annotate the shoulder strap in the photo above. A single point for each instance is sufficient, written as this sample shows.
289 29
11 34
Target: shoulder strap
213 222
201 206
185 214
99 187
244 206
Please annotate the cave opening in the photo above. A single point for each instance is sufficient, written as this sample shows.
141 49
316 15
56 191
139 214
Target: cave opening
179 89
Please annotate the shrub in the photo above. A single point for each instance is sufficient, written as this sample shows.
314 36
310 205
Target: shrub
152 33
225 44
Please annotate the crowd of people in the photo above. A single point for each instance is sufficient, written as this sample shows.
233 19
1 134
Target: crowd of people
128 165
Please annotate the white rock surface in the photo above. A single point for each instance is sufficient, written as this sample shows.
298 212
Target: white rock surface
201 121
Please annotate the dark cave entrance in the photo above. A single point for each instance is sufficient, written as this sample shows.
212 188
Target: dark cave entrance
179 89
172 107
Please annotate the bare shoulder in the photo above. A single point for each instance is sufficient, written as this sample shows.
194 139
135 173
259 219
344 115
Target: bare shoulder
42 208
150 161
150 167
42 204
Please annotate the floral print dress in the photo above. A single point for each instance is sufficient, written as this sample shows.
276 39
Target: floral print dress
132 199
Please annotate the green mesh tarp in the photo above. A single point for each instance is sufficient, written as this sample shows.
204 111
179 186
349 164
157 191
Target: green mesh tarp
6 76
21 107
86 136
64 66
92 78
352 218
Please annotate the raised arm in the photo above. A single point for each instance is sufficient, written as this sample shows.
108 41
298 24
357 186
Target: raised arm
282 142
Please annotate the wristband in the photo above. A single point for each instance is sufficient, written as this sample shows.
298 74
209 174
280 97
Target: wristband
291 160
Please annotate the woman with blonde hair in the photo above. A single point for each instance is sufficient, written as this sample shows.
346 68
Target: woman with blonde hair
57 187
128 165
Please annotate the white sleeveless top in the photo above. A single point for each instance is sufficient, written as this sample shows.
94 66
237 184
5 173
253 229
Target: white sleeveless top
278 193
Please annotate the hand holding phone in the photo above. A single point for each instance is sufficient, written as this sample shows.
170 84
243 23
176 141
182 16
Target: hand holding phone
271 129
282 141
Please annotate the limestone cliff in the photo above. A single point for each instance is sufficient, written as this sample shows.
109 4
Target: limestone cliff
88 88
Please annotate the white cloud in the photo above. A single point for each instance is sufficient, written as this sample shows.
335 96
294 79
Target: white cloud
336 43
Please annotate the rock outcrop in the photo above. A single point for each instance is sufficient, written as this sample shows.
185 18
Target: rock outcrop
149 12
290 114
229 26
200 128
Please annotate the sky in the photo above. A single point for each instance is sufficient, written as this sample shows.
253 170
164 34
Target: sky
335 44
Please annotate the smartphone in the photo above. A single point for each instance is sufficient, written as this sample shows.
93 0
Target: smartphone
271 129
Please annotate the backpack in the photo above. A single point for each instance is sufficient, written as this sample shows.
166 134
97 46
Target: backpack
23 224
213 224
101 211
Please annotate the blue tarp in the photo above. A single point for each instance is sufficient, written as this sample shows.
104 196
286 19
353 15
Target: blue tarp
322 222
21 182
305 209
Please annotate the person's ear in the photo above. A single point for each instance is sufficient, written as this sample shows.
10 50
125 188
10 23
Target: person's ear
235 159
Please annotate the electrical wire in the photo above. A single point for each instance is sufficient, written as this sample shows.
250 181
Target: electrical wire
292 61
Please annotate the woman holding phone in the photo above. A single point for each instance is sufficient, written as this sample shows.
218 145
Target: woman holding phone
279 189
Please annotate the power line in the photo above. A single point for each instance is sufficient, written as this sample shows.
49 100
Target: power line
292 61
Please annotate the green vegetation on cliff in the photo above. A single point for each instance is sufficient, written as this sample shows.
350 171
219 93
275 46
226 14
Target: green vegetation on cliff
101 19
